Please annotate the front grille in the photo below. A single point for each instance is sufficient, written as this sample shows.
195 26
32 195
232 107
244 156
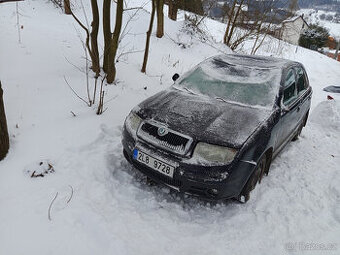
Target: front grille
171 141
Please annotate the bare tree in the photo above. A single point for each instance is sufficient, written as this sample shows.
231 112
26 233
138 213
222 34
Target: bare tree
254 24
107 32
18 22
233 16
160 18
91 36
293 6
194 20
4 139
173 6
113 46
94 38
148 35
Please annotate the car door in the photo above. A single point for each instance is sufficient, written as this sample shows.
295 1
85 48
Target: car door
290 108
303 92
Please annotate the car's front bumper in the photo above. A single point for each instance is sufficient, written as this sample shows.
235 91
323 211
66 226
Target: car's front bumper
207 182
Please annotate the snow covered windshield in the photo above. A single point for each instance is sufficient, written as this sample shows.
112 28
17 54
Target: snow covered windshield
234 83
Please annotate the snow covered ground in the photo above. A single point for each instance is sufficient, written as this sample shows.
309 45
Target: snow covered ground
102 205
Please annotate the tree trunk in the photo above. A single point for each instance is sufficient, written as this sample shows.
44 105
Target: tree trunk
258 34
170 6
148 35
94 38
4 139
234 23
172 10
231 16
194 6
160 19
107 32
67 7
111 72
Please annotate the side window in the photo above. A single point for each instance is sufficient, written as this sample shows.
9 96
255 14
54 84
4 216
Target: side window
289 93
301 80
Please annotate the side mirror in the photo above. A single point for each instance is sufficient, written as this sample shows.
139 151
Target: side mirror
284 109
175 77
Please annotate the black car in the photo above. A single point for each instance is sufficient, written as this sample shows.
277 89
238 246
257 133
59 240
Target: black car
214 133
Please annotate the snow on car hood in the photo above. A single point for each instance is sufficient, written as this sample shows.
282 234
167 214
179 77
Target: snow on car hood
204 119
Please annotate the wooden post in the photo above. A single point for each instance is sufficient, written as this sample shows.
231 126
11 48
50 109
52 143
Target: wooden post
4 139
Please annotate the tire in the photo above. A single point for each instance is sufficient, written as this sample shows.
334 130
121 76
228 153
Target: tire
298 133
256 177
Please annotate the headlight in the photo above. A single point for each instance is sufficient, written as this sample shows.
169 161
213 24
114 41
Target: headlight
132 123
214 153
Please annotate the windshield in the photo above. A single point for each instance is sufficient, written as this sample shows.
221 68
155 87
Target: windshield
234 83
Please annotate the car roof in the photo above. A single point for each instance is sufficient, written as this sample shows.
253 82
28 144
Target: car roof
251 61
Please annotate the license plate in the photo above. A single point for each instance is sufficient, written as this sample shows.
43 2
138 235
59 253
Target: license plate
154 163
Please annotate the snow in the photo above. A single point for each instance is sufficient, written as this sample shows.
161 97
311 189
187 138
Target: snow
207 119
313 17
103 205
232 79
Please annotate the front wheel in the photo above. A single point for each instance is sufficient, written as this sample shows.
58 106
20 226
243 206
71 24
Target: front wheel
256 177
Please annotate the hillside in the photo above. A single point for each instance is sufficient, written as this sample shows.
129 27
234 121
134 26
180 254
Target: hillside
102 205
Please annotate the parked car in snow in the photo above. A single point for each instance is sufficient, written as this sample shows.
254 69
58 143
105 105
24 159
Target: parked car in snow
215 132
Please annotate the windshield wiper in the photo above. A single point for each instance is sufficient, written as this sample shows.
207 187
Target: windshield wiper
190 91
222 99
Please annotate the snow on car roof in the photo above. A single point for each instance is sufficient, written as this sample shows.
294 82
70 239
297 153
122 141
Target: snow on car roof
244 69
250 61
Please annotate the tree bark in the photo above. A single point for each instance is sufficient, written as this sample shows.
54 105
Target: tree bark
148 35
160 19
172 10
94 38
4 139
67 7
107 32
111 72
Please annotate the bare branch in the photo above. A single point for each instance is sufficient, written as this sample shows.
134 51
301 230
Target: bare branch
78 68
126 53
82 99
49 208
133 8
84 12
122 35
70 195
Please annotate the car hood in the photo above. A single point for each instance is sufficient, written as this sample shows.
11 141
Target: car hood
204 119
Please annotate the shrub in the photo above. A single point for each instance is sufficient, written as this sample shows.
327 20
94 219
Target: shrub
314 36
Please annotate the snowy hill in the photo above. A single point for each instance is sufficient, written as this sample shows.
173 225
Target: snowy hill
95 202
